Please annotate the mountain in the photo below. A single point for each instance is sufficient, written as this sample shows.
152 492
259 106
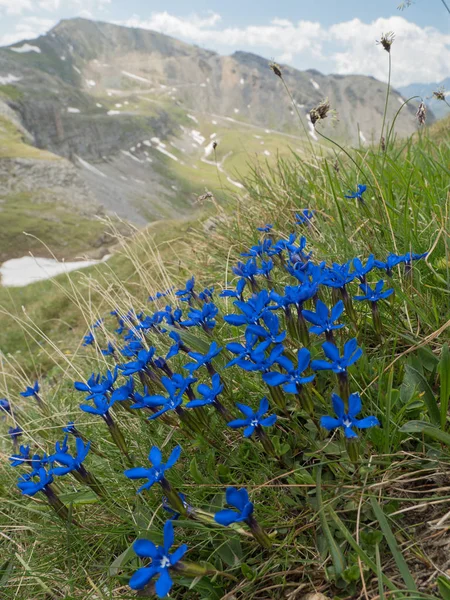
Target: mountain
119 120
425 90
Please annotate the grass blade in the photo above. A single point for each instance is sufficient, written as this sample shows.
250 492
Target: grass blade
392 543
444 371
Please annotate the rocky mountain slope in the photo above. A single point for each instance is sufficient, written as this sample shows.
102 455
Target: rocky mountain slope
123 120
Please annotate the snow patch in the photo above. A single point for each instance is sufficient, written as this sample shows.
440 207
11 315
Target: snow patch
19 272
62 57
91 82
90 167
118 105
193 118
155 140
98 105
123 177
362 137
136 77
315 84
400 99
236 110
147 143
77 70
197 137
312 131
161 148
242 81
26 48
72 110
203 85
131 156
212 136
10 78
113 112
214 122
266 152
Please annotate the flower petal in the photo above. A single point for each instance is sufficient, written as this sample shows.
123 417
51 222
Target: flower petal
354 405
246 410
174 456
330 423
338 405
141 577
366 422
145 549
248 431
237 498
155 456
178 554
226 517
237 423
268 421
163 584
137 473
274 378
169 536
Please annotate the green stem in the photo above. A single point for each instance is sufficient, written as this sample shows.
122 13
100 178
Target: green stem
258 533
299 116
387 98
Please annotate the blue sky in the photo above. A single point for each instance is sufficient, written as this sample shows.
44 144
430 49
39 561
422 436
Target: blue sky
330 35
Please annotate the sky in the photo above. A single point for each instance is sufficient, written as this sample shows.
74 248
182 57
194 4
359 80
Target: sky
331 36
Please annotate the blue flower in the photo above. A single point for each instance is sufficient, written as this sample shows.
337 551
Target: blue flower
374 295
101 406
209 393
31 391
22 457
176 387
339 275
88 339
5 405
252 311
294 379
175 348
156 473
123 392
15 432
259 249
272 333
253 420
202 359
304 217
173 317
110 350
97 323
410 256
144 357
321 320
243 353
239 499
186 294
132 348
159 295
347 421
69 428
204 317
162 560
391 261
360 270
294 295
174 514
206 295
97 384
266 229
29 487
358 194
237 293
258 361
338 364
70 463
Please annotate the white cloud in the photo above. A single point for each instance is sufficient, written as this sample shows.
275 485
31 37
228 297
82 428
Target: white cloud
16 7
418 54
28 28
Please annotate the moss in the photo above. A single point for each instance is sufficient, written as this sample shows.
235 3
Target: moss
11 92
13 144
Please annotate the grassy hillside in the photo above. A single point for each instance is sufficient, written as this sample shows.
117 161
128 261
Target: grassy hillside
343 518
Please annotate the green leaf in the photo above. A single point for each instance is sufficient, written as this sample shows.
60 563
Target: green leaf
122 560
444 587
359 551
79 498
428 396
337 555
231 552
5 572
195 473
427 429
247 572
444 373
392 543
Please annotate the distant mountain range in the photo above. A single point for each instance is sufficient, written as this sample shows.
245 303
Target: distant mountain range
127 118
425 91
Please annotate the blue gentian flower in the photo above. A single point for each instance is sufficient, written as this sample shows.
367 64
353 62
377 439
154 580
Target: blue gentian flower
101 406
110 350
23 456
358 194
97 384
14 433
272 333
360 270
156 473
70 427
202 359
259 249
294 379
159 295
347 421
123 392
29 487
410 256
237 293
162 560
31 391
62 447
297 253
206 295
132 348
176 387
266 229
88 339
243 353
175 348
5 405
293 295
97 323
338 364
321 320
204 317
174 514
253 420
258 361
143 359
252 311
339 275
304 217
209 393
391 261
70 463
239 499
374 295
281 245
187 294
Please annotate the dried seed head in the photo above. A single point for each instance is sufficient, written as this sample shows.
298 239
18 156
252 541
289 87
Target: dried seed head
421 113
336 166
387 39
276 69
320 111
383 144
214 145
205 196
439 94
